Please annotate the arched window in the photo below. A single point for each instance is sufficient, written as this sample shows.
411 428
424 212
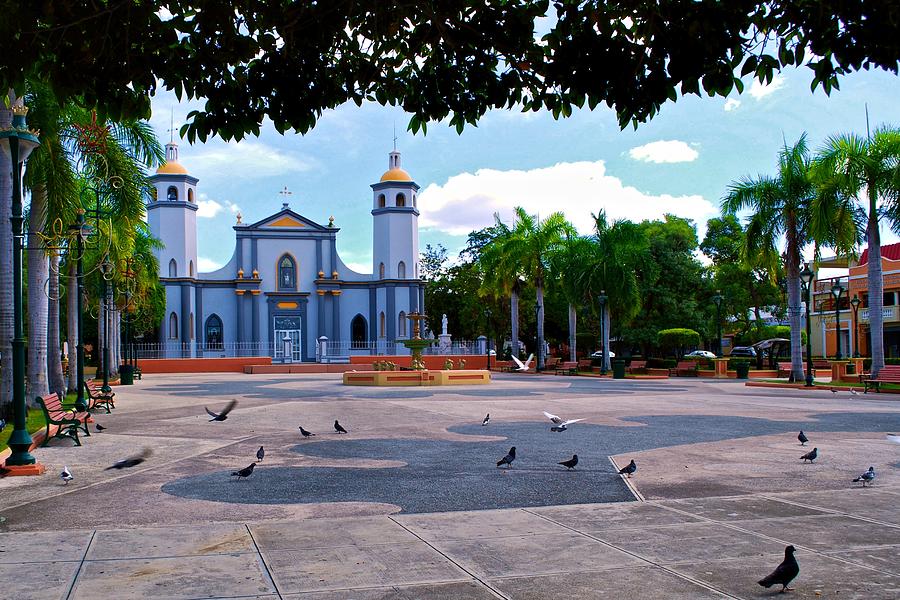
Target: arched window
191 268
172 194
190 195
173 326
287 273
381 201
381 325
173 268
401 200
358 332
381 270
401 324
401 270
214 333
414 200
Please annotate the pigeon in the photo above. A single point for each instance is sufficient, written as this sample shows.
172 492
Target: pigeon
304 432
523 366
260 454
486 419
833 391
99 427
569 464
245 472
222 415
508 459
132 461
867 477
628 469
2 425
66 475
853 392
783 573
558 424
811 455
893 437
802 437
338 428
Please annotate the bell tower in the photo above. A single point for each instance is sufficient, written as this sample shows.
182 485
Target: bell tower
172 216
395 213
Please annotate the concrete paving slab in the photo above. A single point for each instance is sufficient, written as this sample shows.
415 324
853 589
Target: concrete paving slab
466 525
534 555
646 583
329 533
825 532
871 503
884 558
440 591
322 569
159 542
739 508
689 542
223 575
43 546
821 578
37 581
599 517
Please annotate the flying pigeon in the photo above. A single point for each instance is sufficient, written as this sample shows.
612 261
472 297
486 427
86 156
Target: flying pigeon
558 424
245 472
222 415
99 427
508 459
66 475
304 432
802 437
486 419
811 455
260 454
523 366
338 428
628 469
867 477
783 573
131 462
893 437
569 464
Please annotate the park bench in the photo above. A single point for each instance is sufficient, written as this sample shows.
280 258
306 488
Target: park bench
887 374
551 363
684 368
584 364
784 369
637 366
567 368
69 421
98 398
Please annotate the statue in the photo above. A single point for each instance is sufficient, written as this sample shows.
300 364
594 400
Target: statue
446 342
444 324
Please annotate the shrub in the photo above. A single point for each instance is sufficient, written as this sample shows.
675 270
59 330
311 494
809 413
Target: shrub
678 339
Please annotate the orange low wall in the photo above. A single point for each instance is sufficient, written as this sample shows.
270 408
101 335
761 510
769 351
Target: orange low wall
201 365
432 361
304 368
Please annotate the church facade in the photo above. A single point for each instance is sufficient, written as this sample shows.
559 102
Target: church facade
285 281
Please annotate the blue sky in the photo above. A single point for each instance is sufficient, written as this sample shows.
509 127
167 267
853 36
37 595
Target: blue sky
681 162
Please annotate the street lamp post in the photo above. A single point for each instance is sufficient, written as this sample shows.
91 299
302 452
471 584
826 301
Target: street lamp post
837 291
717 300
537 337
487 313
806 275
855 302
81 231
106 270
17 143
602 300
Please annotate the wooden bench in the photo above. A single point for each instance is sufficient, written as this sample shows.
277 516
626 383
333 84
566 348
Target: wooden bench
637 366
69 421
567 368
686 368
784 369
584 364
551 363
887 374
98 398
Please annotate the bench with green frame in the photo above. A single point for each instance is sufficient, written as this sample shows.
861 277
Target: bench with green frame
69 421
887 374
567 368
98 398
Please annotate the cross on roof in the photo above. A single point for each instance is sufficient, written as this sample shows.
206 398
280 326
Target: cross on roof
171 129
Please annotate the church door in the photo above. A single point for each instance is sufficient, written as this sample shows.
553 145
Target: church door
288 327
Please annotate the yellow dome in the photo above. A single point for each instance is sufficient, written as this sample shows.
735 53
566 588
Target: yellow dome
396 174
171 168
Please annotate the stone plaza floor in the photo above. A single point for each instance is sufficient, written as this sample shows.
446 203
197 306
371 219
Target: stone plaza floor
410 504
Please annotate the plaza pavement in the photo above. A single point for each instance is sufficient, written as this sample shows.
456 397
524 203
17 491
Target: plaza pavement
718 465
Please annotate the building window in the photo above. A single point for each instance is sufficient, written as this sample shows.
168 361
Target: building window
358 332
401 200
414 200
172 194
173 268
381 271
381 325
173 326
191 268
287 273
214 333
401 270
190 195
191 326
381 200
889 299
401 324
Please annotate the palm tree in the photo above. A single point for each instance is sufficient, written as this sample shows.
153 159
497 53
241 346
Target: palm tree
6 283
501 276
859 173
567 264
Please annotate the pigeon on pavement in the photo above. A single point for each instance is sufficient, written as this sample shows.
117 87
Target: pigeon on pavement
508 459
66 475
893 437
558 424
811 455
833 391
867 477
802 437
99 427
628 469
132 461
338 428
569 464
222 415
260 454
304 432
245 472
783 573
486 419
853 392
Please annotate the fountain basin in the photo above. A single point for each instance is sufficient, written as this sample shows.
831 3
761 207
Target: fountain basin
418 378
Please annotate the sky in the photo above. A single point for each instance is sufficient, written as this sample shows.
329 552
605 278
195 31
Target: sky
681 162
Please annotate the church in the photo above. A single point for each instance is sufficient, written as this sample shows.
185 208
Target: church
286 293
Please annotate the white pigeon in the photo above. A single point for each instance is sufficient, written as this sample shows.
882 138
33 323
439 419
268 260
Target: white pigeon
894 437
853 392
558 423
523 366
66 475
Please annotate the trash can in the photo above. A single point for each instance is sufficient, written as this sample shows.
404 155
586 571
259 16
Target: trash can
126 375
743 369
618 369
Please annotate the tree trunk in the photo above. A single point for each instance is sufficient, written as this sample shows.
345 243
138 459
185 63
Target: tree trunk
6 299
72 320
794 310
605 317
514 316
876 285
38 303
539 351
56 379
573 323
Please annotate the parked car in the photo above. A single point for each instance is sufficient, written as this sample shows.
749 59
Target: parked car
599 354
701 353
743 351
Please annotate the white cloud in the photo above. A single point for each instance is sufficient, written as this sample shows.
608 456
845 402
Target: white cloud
664 151
205 265
760 90
247 159
207 209
732 104
467 202
363 268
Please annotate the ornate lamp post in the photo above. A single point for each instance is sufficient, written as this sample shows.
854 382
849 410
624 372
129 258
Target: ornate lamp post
17 143
717 300
806 276
837 291
854 303
602 298
106 270
487 313
538 342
